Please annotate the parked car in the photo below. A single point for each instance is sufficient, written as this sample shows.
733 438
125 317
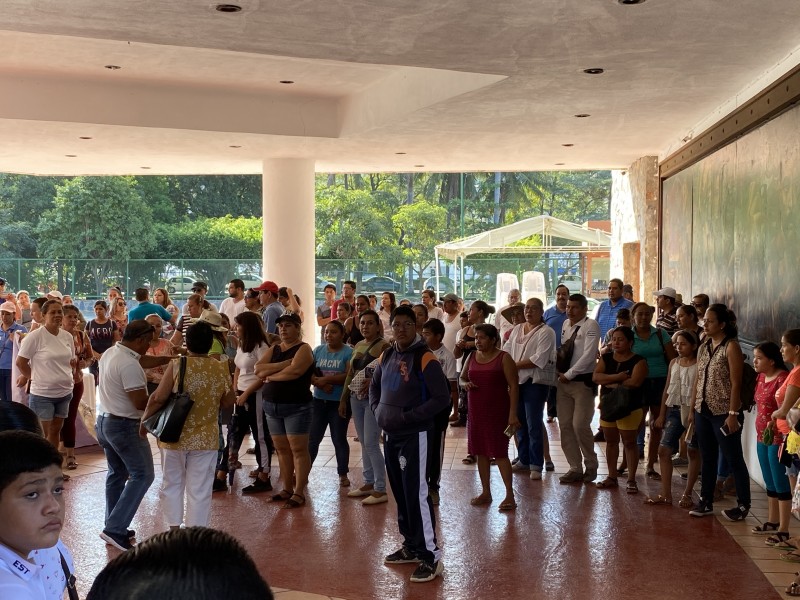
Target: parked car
179 286
574 283
446 285
381 284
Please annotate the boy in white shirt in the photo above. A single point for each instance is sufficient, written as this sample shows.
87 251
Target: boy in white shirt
31 518
433 333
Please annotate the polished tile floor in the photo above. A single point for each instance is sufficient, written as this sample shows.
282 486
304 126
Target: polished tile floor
566 541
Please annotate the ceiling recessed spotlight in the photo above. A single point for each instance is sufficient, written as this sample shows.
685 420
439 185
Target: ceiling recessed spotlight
594 71
84 137
234 146
144 167
286 82
71 155
560 164
568 145
418 166
113 67
228 8
630 2
398 153
582 115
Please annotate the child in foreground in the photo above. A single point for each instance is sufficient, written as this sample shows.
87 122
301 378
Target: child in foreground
31 518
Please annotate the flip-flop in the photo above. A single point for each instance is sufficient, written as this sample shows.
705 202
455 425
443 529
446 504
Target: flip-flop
791 557
654 475
608 482
283 495
686 501
507 505
480 500
658 501
469 459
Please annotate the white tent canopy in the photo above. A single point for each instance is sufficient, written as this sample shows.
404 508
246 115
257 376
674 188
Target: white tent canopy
498 241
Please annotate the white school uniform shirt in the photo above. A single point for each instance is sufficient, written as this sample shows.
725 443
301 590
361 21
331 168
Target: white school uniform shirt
448 362
41 577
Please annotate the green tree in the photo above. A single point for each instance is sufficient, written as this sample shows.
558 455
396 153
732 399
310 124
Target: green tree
420 226
226 240
216 195
103 219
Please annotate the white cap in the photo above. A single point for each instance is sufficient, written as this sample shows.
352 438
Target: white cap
667 291
55 294
8 307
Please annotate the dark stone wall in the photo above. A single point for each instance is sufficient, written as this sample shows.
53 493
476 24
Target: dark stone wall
731 229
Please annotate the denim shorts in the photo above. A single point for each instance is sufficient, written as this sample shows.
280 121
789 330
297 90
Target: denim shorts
288 419
48 408
673 430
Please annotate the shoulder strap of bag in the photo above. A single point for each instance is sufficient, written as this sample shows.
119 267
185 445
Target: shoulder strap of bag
366 358
661 343
72 591
182 375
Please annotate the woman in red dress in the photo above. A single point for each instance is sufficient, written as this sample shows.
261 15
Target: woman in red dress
491 380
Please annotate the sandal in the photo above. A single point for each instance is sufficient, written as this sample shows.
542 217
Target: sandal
479 500
344 481
507 505
71 464
653 474
632 488
292 503
621 471
686 501
283 495
765 529
469 459
779 540
658 501
608 482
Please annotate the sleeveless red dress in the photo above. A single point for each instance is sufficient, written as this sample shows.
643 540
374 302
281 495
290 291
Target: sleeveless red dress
489 404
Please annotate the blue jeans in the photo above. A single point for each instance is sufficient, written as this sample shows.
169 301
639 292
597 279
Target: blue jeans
369 435
775 479
325 414
711 441
532 398
130 470
5 385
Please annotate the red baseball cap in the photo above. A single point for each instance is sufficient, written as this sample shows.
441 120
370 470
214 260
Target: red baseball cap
268 286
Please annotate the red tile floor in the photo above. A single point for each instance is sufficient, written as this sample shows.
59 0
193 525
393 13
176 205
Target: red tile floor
569 541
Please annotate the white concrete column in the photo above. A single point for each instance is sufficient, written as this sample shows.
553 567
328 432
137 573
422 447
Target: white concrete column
288 243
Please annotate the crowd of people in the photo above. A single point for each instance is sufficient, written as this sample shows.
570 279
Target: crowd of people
405 372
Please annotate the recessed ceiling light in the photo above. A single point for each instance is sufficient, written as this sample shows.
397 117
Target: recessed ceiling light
71 155
594 71
568 145
418 166
286 81
228 8
84 137
399 153
234 146
113 67
144 167
582 115
560 164
630 2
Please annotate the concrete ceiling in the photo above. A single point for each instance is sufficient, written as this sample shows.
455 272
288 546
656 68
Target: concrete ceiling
423 85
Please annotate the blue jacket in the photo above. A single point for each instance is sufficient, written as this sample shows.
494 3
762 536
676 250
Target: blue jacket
408 389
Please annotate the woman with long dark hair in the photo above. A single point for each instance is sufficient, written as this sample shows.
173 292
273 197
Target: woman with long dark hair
83 354
717 414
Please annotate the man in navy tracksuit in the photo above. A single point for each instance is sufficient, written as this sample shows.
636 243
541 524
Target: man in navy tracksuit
407 391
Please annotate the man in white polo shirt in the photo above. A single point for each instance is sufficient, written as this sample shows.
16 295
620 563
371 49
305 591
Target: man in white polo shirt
122 397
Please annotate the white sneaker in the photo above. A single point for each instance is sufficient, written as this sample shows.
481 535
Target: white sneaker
536 475
520 466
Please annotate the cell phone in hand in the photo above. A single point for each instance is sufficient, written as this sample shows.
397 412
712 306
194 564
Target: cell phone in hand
509 431
725 429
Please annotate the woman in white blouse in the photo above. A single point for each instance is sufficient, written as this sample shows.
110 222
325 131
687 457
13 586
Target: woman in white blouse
532 345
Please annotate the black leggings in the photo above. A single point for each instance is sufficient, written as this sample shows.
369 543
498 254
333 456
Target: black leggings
243 421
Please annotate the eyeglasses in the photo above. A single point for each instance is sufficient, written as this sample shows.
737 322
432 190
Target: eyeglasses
406 325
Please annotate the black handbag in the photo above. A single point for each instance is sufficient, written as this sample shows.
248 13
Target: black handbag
616 404
564 353
167 424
